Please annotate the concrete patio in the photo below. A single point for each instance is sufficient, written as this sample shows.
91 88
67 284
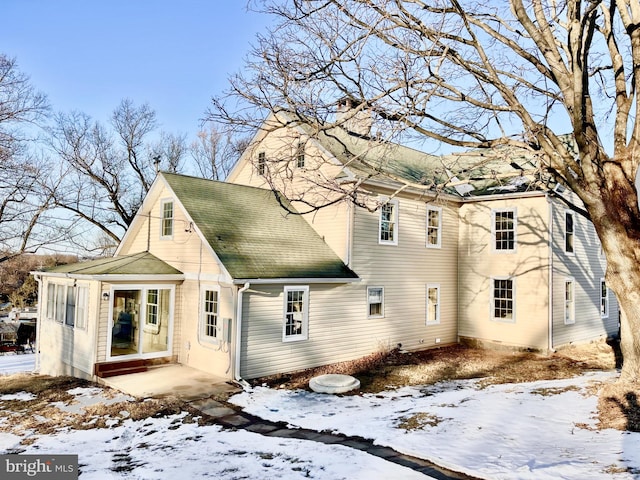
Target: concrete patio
171 380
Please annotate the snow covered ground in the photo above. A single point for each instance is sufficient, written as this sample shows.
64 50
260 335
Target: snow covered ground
539 430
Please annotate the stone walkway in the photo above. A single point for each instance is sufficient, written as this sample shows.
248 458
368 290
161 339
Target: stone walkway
223 414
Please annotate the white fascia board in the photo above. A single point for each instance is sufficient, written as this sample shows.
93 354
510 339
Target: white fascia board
117 278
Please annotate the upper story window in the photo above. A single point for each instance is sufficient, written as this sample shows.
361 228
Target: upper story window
434 227
503 229
262 163
166 225
296 313
388 226
300 160
568 231
375 302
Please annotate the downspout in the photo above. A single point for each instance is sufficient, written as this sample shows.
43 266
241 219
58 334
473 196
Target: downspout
38 279
236 369
550 267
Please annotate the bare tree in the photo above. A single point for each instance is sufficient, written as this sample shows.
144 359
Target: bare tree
215 153
22 206
476 75
106 172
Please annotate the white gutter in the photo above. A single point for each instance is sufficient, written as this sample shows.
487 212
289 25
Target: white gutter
267 281
120 277
237 350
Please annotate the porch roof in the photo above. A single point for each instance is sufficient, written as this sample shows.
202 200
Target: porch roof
142 263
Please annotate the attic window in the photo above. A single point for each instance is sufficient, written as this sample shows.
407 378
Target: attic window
300 156
262 163
166 226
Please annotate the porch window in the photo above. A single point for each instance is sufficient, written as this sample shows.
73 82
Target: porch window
375 301
503 300
434 229
296 313
604 299
433 304
388 226
68 304
504 230
152 310
167 219
569 302
209 317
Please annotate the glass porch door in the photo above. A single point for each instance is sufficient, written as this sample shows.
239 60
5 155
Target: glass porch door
141 322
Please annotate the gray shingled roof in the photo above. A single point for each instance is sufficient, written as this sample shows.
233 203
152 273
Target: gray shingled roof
252 234
477 172
142 263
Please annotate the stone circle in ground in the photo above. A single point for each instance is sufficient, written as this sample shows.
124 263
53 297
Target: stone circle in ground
334 383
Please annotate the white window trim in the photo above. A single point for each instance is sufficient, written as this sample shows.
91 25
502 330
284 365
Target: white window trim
305 314
572 313
202 327
570 213
513 300
605 298
163 202
395 204
438 244
494 211
369 304
437 320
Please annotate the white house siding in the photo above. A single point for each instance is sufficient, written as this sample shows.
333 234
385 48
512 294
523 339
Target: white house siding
333 334
586 266
299 183
528 267
66 350
405 269
195 351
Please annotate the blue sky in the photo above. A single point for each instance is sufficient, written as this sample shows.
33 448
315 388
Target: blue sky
88 55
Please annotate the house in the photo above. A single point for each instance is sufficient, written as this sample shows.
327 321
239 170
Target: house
239 280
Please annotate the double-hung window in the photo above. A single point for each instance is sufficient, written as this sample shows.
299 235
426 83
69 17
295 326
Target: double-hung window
261 166
296 313
166 224
375 302
209 317
388 225
503 300
152 318
433 304
434 227
568 231
604 299
300 161
503 230
569 302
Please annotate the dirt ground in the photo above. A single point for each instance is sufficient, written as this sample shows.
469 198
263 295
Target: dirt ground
618 403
